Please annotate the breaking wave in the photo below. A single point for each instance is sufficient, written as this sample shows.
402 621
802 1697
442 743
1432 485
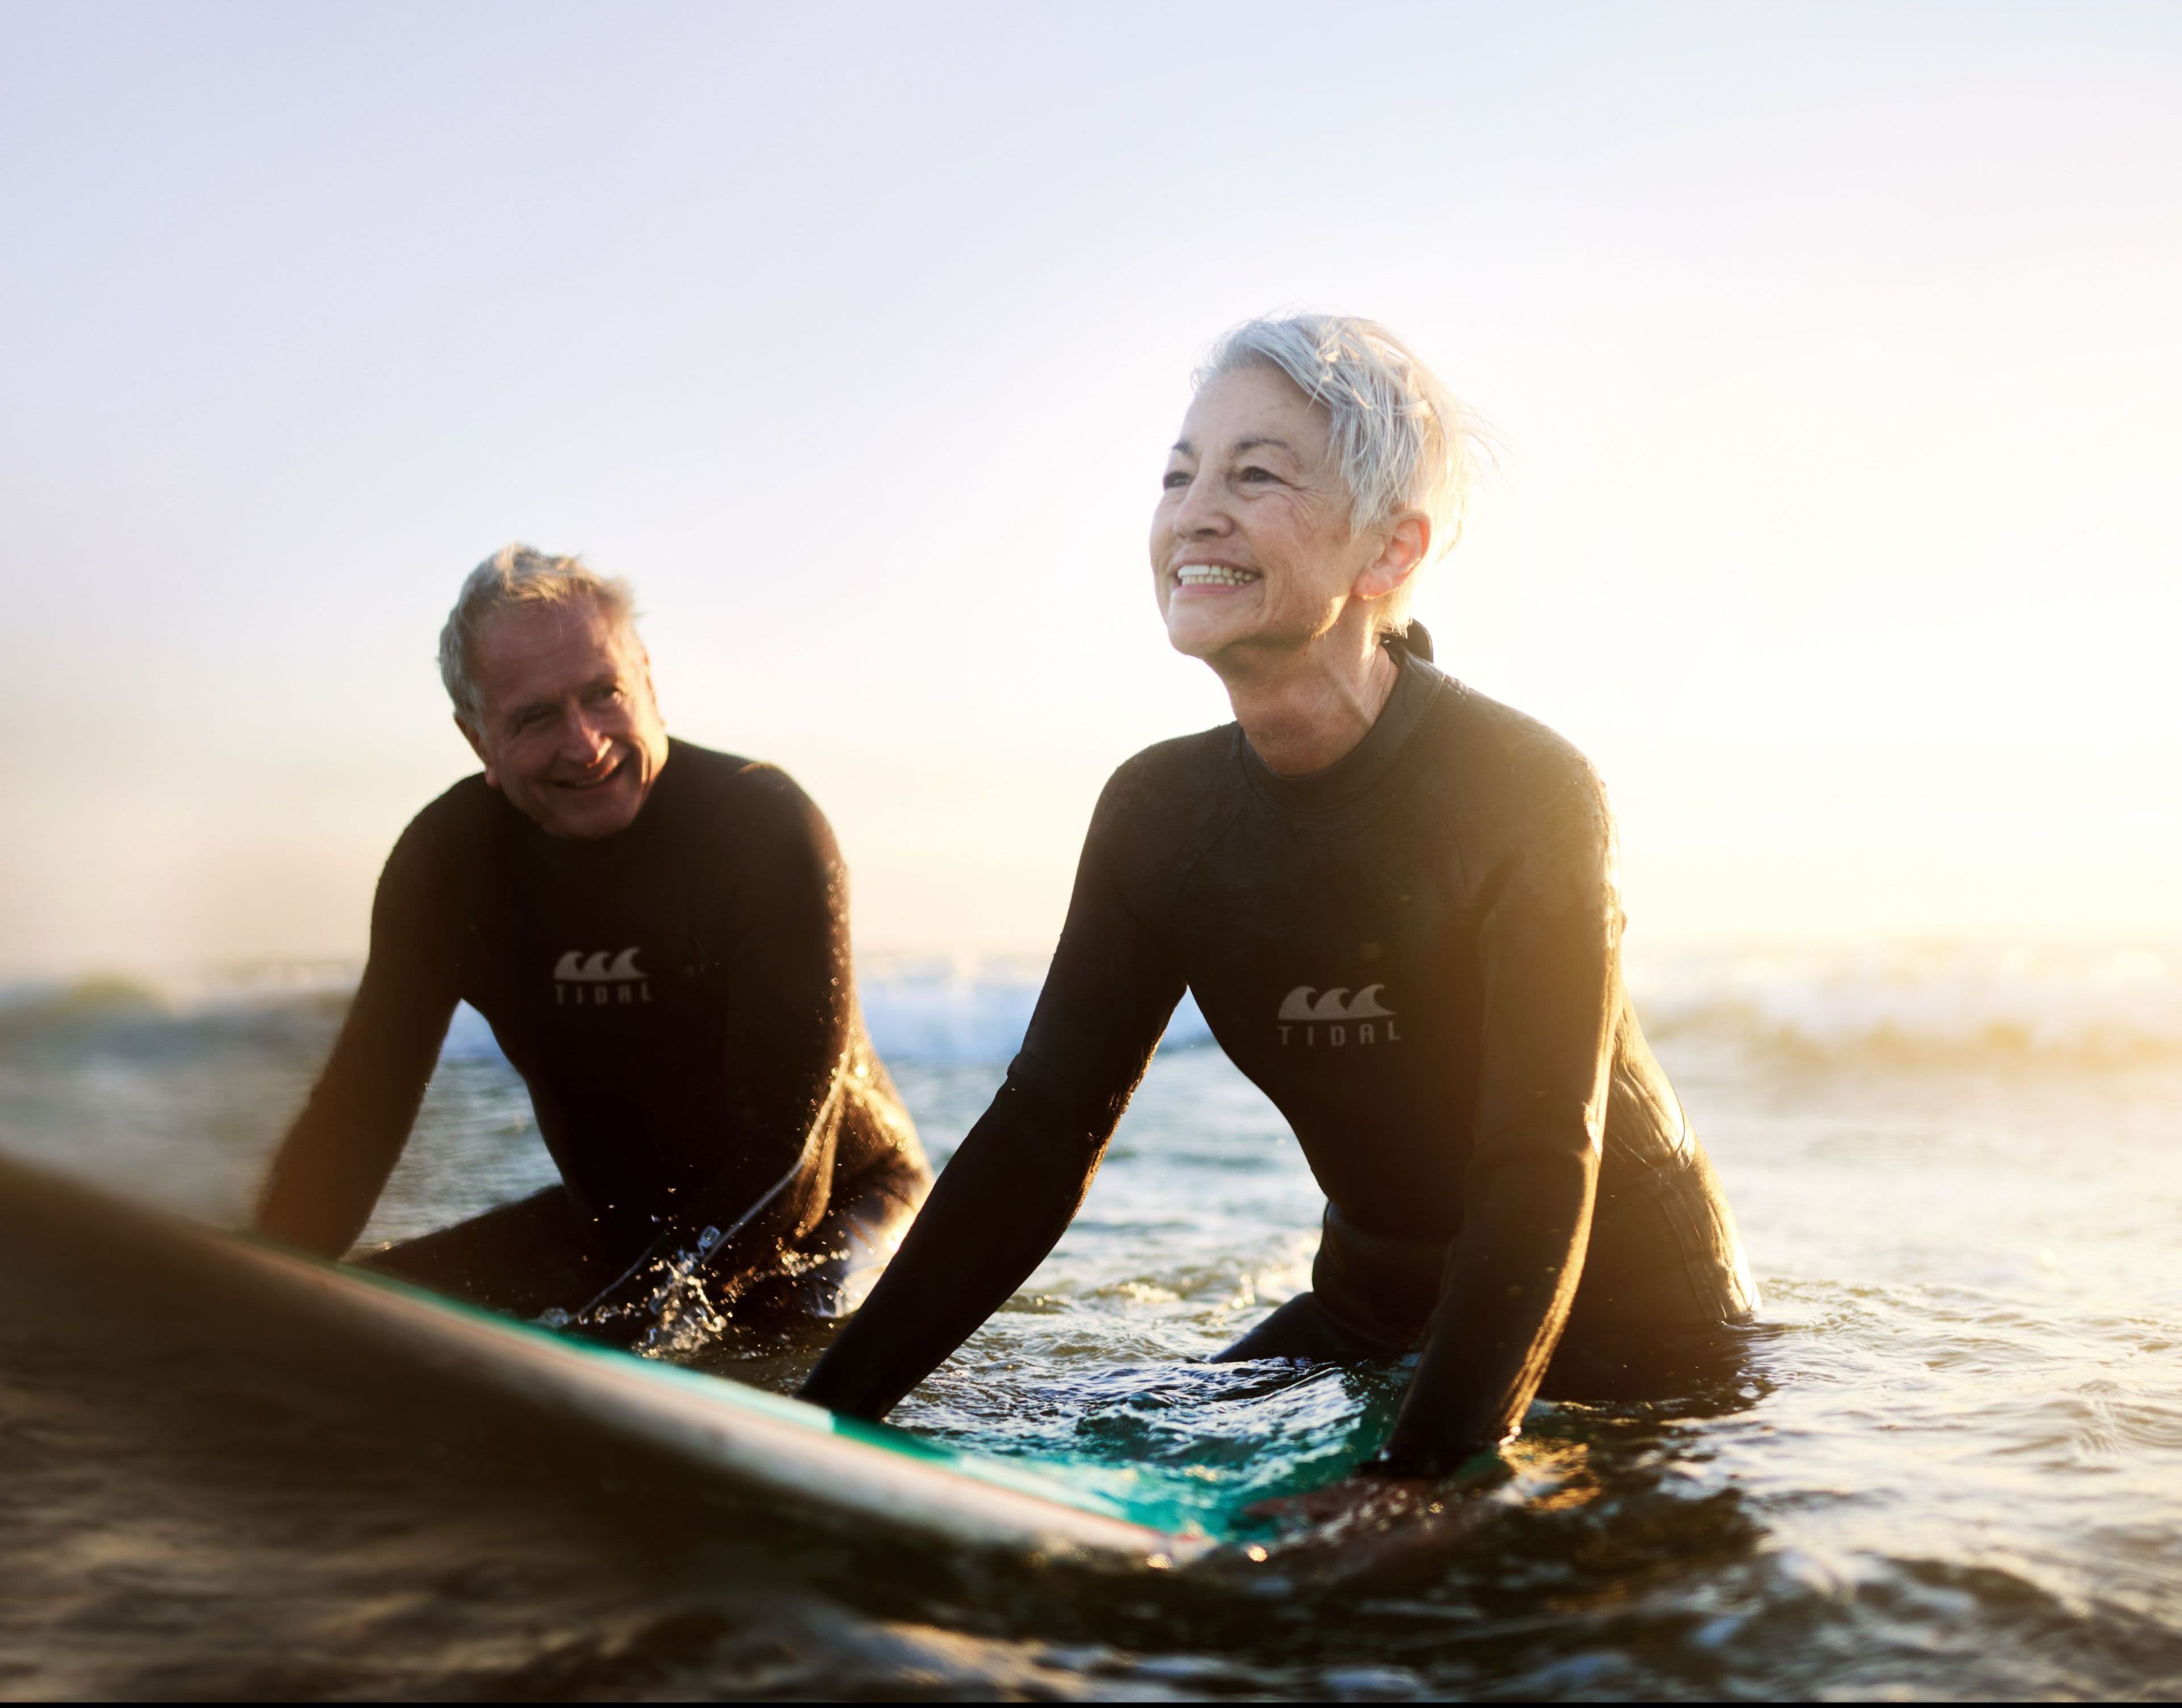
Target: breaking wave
2098 1007
968 1008
2090 1007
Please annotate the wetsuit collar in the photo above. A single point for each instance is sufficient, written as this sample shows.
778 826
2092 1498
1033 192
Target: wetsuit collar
1357 773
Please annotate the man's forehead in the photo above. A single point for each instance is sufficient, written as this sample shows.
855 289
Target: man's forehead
520 644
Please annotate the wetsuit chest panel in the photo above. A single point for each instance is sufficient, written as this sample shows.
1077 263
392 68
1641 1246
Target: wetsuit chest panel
607 974
594 991
1340 974
593 976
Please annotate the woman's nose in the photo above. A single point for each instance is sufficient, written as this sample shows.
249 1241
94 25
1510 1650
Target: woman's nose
1200 513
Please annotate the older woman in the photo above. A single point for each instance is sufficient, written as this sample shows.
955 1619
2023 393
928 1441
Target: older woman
1394 900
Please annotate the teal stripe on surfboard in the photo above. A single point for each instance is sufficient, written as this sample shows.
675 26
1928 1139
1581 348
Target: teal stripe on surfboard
719 1429
643 1385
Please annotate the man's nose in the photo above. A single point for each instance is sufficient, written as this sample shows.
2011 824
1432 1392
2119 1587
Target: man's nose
582 739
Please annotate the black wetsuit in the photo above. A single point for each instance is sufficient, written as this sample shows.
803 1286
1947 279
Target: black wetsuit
1415 953
679 1001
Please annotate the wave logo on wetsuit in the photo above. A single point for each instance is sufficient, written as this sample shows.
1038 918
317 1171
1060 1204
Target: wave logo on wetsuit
1333 1020
592 980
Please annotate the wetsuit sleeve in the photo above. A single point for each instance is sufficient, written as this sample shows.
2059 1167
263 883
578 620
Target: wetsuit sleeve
1549 940
779 936
1015 1184
785 947
330 1169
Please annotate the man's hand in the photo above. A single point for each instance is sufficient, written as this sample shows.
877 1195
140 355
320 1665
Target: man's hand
664 1291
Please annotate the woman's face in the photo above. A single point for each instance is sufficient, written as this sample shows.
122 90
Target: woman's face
1251 540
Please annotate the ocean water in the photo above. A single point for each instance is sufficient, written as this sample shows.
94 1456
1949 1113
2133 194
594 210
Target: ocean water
1951 1466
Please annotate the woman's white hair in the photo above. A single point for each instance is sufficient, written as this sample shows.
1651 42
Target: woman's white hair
1403 440
519 575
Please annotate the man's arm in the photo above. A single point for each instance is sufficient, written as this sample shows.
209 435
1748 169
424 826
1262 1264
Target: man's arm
1011 1190
329 1172
1550 942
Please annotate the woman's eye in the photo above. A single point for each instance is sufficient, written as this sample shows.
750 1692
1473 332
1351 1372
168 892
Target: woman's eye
1177 478
1255 473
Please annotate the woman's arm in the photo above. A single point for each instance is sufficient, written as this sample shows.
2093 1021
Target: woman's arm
1550 942
329 1172
1011 1189
1001 1205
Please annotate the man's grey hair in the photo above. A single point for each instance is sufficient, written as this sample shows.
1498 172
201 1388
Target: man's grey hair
519 575
1403 440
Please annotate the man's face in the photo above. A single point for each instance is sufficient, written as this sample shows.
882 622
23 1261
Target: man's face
570 732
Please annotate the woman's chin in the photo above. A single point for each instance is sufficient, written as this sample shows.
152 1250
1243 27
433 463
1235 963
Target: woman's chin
1196 632
1190 642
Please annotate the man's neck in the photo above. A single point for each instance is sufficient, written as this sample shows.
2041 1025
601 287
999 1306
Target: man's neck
1303 709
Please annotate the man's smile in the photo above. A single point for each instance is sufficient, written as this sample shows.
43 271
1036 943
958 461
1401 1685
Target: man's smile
596 780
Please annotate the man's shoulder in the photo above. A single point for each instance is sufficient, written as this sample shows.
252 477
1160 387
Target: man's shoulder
704 776
460 817
453 836
730 795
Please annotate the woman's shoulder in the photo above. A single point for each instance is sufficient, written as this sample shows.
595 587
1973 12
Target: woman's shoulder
1169 775
1170 798
1503 762
1181 761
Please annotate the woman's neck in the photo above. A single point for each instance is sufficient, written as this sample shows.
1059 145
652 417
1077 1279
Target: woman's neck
1302 709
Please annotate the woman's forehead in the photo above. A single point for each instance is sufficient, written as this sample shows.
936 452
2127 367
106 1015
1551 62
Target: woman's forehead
1255 407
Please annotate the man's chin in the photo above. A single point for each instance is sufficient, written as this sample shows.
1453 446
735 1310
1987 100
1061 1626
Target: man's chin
587 815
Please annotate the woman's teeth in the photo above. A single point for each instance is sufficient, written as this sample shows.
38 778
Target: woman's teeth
1213 575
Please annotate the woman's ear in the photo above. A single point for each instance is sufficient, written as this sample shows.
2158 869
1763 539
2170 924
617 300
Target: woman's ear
1407 538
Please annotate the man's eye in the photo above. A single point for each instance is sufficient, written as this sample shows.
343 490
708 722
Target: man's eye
1176 479
1253 472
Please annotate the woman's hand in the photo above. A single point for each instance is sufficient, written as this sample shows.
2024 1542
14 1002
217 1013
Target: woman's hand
1422 1511
1367 1502
1366 1526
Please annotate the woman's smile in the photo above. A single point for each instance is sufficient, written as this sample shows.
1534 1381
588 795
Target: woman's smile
1213 576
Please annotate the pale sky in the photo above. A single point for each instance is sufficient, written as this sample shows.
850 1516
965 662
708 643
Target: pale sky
1833 351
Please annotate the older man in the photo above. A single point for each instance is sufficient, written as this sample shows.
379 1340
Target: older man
658 935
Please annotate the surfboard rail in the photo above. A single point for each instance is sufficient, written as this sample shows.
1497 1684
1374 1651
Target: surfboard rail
719 1429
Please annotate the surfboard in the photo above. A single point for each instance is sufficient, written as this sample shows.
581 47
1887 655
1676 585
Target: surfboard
717 1430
